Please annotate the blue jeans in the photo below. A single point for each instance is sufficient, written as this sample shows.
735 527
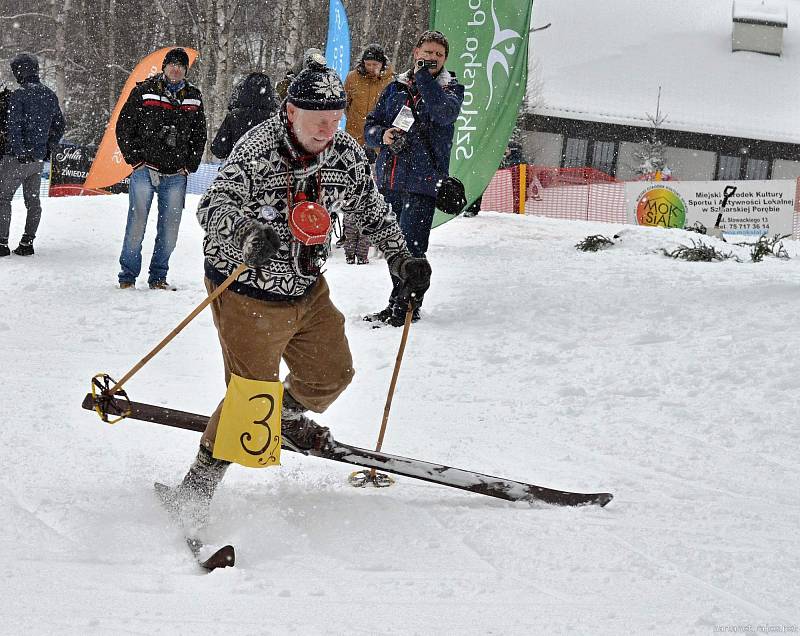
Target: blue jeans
415 216
171 191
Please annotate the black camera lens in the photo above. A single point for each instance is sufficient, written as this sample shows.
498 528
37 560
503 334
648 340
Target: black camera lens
169 135
398 145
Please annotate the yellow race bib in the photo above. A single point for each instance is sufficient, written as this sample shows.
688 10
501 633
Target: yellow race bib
249 430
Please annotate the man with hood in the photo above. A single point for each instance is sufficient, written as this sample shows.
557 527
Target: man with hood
363 86
161 132
252 102
35 126
279 307
413 123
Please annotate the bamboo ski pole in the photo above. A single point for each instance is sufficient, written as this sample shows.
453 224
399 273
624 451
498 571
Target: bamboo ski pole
221 288
393 384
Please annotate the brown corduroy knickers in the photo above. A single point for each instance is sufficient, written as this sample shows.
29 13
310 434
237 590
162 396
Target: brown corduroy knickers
307 333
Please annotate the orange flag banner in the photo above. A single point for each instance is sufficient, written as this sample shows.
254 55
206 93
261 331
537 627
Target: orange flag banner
109 167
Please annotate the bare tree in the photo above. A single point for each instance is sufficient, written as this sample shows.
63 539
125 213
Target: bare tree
225 12
87 48
291 20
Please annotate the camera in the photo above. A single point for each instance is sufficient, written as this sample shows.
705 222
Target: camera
399 143
169 135
426 63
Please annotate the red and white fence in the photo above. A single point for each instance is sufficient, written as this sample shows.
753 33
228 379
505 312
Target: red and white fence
582 194
585 194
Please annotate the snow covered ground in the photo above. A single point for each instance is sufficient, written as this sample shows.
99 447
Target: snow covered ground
674 385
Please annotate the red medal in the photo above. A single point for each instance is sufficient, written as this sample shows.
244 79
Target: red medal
309 222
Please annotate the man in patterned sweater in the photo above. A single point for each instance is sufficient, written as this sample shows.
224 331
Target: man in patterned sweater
279 307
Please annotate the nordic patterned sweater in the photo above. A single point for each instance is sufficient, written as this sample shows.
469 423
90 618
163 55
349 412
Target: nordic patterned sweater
254 184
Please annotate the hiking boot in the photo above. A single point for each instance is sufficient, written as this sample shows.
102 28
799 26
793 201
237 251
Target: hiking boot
127 285
300 431
380 316
162 284
4 251
350 260
362 261
25 247
191 500
305 435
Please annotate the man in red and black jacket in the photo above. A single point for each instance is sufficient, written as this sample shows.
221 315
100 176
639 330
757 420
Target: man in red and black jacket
161 132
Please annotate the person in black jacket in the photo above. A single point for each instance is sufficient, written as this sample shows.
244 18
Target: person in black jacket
252 102
35 124
161 132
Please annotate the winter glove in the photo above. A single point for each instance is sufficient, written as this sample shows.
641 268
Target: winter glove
259 244
415 276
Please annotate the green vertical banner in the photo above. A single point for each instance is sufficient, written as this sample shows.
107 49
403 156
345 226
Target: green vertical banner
489 55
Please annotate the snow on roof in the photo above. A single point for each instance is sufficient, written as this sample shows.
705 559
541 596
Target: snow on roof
772 12
604 61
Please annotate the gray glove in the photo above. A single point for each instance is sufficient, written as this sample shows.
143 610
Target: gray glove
415 275
259 244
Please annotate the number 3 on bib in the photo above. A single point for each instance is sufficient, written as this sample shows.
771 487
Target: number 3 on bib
249 430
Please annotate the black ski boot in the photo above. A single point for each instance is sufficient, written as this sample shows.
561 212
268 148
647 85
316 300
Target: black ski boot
4 251
301 432
191 500
398 317
381 316
25 247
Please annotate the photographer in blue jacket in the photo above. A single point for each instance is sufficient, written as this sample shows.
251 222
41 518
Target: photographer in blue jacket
413 124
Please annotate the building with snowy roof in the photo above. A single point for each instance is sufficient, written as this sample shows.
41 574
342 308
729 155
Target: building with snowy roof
728 73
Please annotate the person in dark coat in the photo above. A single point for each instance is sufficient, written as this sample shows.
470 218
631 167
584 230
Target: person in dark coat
412 161
161 132
252 102
35 125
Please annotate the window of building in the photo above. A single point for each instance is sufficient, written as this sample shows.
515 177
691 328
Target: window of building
742 167
575 152
757 169
729 168
603 156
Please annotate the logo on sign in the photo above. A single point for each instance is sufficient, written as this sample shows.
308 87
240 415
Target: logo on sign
660 206
69 154
499 57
